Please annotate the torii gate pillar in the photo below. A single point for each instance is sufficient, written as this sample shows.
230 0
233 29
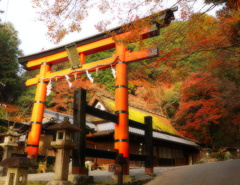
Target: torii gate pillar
37 113
121 137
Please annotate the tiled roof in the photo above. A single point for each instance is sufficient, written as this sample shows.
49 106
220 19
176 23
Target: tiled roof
106 128
59 117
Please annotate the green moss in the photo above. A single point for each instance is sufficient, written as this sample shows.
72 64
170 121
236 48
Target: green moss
159 123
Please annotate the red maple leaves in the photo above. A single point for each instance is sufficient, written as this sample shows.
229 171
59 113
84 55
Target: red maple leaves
201 105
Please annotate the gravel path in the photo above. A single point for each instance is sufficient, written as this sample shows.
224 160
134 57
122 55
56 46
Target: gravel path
98 175
213 173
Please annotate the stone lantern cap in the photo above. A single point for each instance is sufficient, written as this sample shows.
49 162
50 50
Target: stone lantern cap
18 162
10 132
65 125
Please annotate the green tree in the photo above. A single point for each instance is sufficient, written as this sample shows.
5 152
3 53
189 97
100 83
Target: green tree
9 51
26 96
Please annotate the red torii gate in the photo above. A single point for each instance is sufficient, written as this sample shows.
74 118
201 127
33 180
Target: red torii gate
76 53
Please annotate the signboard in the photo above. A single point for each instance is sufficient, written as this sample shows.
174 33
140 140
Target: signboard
115 168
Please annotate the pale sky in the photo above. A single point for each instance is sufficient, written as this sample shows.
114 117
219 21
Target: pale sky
32 33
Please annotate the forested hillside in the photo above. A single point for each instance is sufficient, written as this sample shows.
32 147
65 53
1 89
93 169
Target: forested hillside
194 81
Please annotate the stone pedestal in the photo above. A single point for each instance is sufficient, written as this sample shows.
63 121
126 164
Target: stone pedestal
62 164
8 149
63 145
17 176
17 170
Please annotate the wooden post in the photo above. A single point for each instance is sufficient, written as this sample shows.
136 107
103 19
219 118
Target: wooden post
120 173
37 113
121 135
148 144
79 119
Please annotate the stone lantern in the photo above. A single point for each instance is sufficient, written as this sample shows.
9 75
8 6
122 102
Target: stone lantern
9 144
63 145
18 169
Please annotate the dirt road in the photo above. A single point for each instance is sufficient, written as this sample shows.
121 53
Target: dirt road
217 173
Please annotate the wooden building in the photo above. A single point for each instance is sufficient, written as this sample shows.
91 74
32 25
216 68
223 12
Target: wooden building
170 147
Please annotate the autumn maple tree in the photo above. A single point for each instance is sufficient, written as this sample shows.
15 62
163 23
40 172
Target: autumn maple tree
67 16
201 106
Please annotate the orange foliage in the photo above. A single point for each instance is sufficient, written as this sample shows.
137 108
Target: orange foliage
201 105
12 113
65 16
64 95
11 109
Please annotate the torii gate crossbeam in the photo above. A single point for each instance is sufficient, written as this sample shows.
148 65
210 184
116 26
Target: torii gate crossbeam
76 53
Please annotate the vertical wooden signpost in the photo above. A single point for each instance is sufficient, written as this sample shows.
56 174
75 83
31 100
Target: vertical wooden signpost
148 144
79 112
76 54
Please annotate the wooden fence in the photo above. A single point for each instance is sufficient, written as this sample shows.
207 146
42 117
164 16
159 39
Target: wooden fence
80 109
